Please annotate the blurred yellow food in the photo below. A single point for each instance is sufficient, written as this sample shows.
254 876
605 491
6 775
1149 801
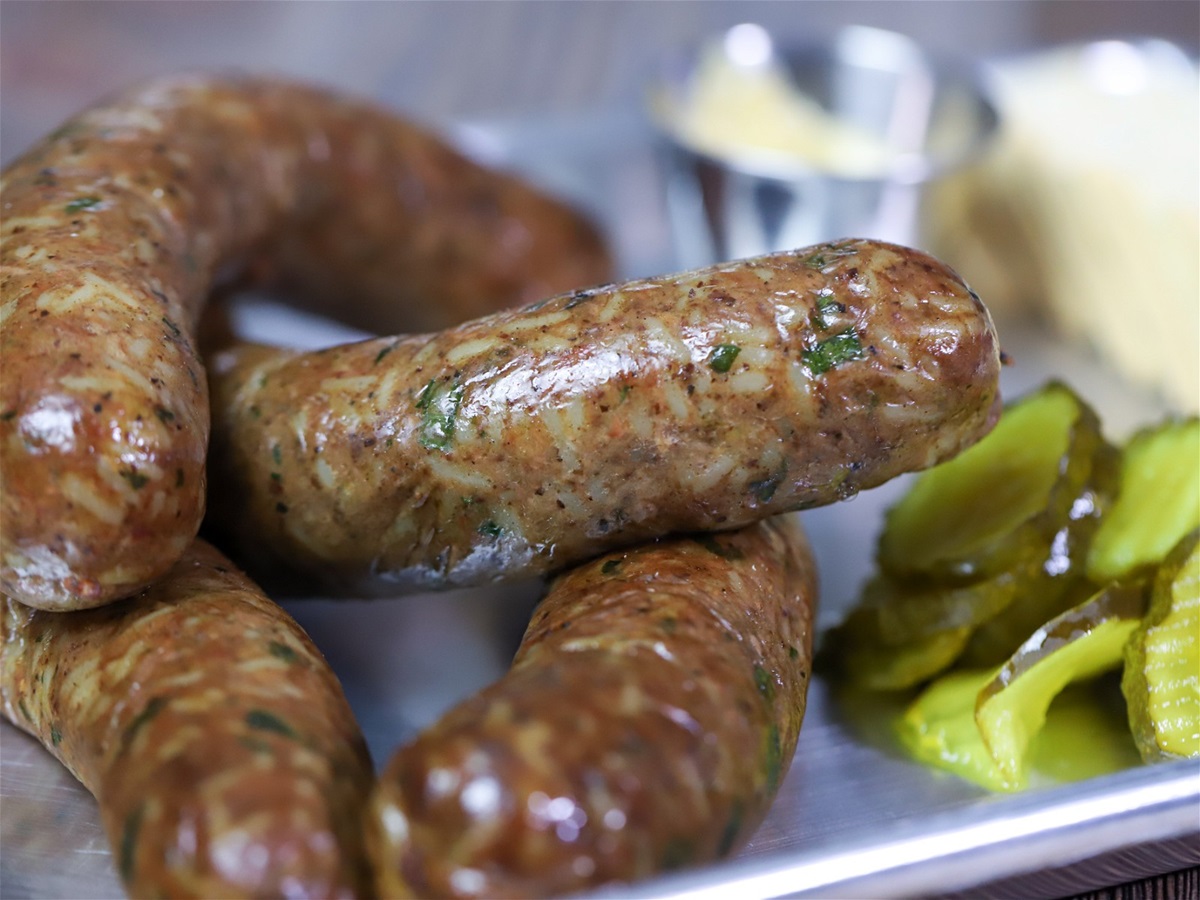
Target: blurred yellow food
752 112
1088 209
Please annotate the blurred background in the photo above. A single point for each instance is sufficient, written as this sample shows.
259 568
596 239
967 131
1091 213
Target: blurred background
445 61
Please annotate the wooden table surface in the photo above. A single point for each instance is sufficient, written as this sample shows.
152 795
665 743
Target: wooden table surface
445 62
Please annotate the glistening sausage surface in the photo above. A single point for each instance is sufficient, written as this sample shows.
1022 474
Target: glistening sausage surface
117 227
212 733
650 714
530 440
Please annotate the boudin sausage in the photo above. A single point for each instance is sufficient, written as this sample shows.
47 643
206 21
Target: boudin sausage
529 440
650 714
118 226
217 741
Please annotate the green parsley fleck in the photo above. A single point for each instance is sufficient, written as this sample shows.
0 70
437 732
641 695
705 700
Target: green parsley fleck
136 479
264 721
833 352
81 203
732 828
282 651
384 352
439 412
55 735
765 683
490 529
610 567
827 311
153 707
774 754
765 489
722 357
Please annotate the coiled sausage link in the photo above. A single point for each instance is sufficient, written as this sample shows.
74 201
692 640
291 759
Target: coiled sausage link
117 227
529 440
212 733
651 713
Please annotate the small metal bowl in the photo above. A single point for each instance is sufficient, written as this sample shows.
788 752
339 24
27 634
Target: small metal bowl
928 117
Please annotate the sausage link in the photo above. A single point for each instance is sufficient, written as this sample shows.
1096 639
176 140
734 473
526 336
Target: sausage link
533 439
117 227
214 736
650 714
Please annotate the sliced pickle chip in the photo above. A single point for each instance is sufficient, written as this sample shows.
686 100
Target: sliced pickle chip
1055 582
979 513
1042 596
1158 502
1084 735
1161 682
1079 644
939 730
907 611
882 667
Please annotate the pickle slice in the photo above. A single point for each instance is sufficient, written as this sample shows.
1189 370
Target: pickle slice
1081 643
979 513
882 667
1084 735
907 611
1055 582
1161 682
1158 502
939 730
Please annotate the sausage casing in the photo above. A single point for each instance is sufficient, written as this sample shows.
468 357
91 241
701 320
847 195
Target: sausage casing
650 714
214 736
529 440
118 226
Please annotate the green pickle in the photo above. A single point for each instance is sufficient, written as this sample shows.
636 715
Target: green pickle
981 512
1084 735
897 667
1161 681
1018 581
1158 503
939 729
1079 644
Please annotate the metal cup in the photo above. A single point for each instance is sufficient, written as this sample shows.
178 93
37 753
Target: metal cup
930 116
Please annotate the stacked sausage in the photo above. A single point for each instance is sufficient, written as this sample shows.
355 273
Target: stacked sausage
656 699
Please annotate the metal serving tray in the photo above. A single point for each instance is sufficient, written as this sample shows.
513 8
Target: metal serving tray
853 817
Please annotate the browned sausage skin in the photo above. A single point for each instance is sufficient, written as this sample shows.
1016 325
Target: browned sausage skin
650 714
117 227
214 736
529 440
